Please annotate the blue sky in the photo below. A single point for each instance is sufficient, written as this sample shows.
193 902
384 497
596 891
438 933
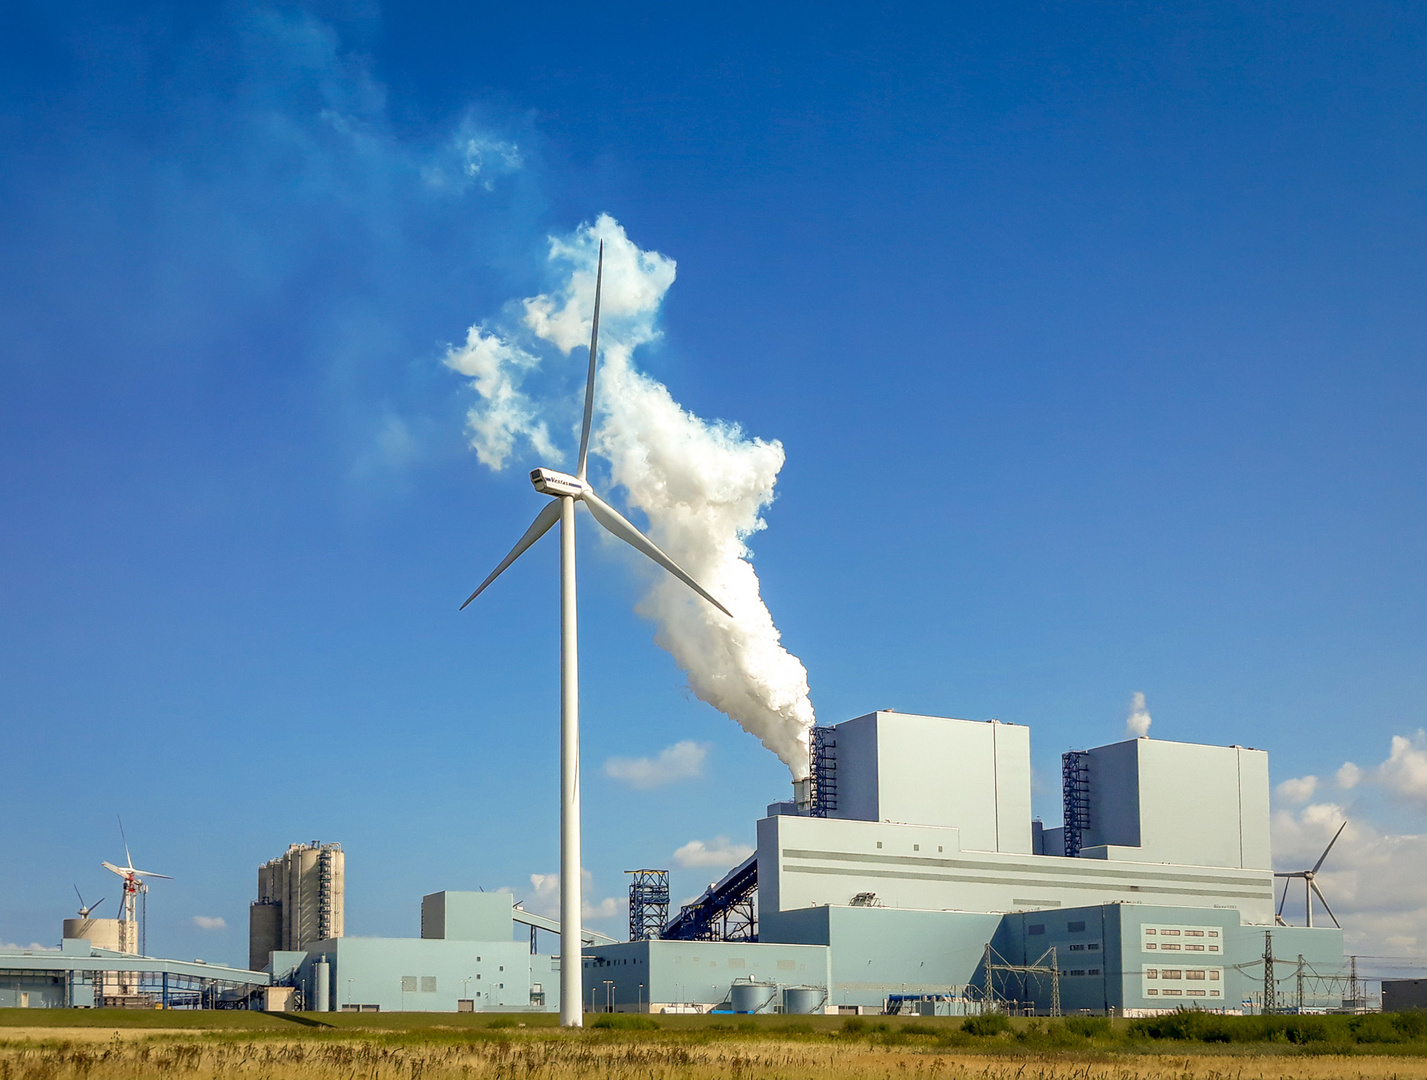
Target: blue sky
1093 335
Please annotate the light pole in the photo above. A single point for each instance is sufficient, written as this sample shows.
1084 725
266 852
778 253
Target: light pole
349 992
639 999
608 995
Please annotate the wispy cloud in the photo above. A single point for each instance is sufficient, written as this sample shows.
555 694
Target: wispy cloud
543 897
720 852
34 946
210 922
1297 790
682 761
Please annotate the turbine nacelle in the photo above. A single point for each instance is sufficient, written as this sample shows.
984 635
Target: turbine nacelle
550 482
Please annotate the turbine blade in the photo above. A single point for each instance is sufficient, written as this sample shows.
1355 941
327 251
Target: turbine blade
1319 893
1329 848
613 521
114 869
1284 900
538 528
128 858
97 903
590 382
80 895
150 873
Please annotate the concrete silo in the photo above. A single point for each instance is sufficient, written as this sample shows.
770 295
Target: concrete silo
300 901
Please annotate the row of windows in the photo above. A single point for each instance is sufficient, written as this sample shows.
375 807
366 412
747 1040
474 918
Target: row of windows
1089 946
915 847
1169 992
1150 931
412 984
1087 971
1198 974
1167 946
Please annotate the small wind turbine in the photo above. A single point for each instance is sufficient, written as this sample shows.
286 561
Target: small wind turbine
1310 886
85 909
133 887
568 490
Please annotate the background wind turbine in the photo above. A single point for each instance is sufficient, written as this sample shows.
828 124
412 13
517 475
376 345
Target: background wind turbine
85 909
133 933
1310 886
567 491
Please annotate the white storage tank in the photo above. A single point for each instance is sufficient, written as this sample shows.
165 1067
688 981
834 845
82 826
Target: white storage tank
101 933
803 1000
752 996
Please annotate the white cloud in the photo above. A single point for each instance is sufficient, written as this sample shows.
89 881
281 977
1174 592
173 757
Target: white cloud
682 761
1375 881
543 897
1349 776
1298 790
210 922
34 946
721 853
1137 722
1405 770
504 414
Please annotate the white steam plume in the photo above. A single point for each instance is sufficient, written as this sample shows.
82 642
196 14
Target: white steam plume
702 484
1137 723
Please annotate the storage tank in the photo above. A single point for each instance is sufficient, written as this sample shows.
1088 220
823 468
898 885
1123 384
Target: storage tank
321 986
264 933
751 996
101 933
803 1000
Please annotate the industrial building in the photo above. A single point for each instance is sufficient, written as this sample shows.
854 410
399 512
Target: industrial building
905 875
912 857
301 897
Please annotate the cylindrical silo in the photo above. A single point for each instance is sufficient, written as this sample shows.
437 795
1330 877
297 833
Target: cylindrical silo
322 986
264 933
803 1000
751 996
101 933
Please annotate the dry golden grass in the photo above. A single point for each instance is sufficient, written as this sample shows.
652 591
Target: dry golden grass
39 1054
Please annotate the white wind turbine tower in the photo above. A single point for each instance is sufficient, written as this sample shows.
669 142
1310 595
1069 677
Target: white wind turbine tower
568 490
1310 886
132 940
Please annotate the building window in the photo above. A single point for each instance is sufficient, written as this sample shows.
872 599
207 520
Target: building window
1168 945
1093 971
938 847
1171 973
408 984
428 984
1194 975
1151 945
1077 948
1151 973
916 847
1213 948
1169 933
1174 993
1213 933
1194 933
1075 927
1080 972
1194 948
1038 928
879 843
1214 976
1149 931
1093 946
1151 992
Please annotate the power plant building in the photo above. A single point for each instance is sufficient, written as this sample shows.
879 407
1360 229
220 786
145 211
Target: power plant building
300 901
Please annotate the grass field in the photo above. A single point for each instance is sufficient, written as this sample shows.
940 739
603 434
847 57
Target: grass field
118 1045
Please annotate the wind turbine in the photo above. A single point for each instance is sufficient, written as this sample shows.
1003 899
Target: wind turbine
133 886
1310 886
85 909
568 490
